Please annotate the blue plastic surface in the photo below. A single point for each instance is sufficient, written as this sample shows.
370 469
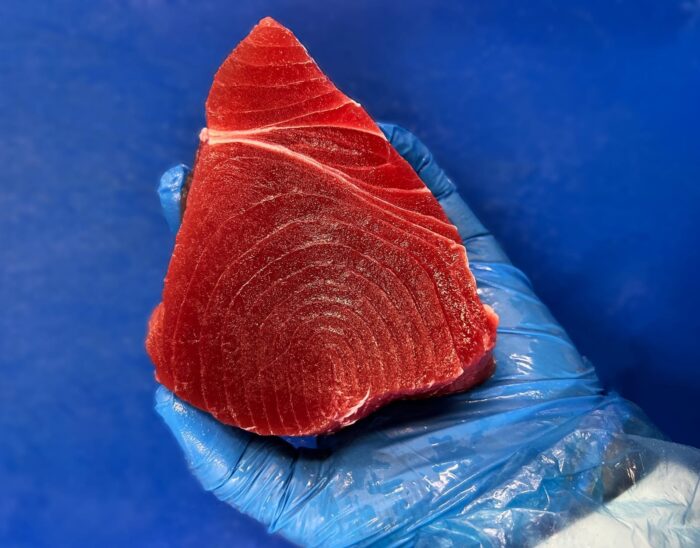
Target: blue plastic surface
535 450
571 128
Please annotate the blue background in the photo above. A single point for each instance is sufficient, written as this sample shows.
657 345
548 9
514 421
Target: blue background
570 127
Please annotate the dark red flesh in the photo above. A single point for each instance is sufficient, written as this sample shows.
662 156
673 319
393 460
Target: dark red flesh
314 277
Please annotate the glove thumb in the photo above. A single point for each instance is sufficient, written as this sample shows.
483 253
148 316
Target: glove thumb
248 472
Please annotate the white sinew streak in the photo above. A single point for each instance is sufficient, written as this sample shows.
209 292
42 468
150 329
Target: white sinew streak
217 137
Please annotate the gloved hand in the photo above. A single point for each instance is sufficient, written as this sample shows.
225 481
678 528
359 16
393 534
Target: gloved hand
513 461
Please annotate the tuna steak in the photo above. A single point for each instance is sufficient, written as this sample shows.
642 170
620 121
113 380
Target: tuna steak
314 276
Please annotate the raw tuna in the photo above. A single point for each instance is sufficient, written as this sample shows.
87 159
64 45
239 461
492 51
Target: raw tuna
314 276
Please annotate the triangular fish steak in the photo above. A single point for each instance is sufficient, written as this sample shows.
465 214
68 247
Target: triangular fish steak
314 276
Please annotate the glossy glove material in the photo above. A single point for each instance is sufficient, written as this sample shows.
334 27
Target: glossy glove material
538 453
170 194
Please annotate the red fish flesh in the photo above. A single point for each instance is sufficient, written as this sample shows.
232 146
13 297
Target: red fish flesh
314 276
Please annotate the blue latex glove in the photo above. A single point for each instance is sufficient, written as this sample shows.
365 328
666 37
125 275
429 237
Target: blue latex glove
513 461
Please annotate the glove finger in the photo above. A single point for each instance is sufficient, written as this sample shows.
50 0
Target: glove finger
170 194
249 472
